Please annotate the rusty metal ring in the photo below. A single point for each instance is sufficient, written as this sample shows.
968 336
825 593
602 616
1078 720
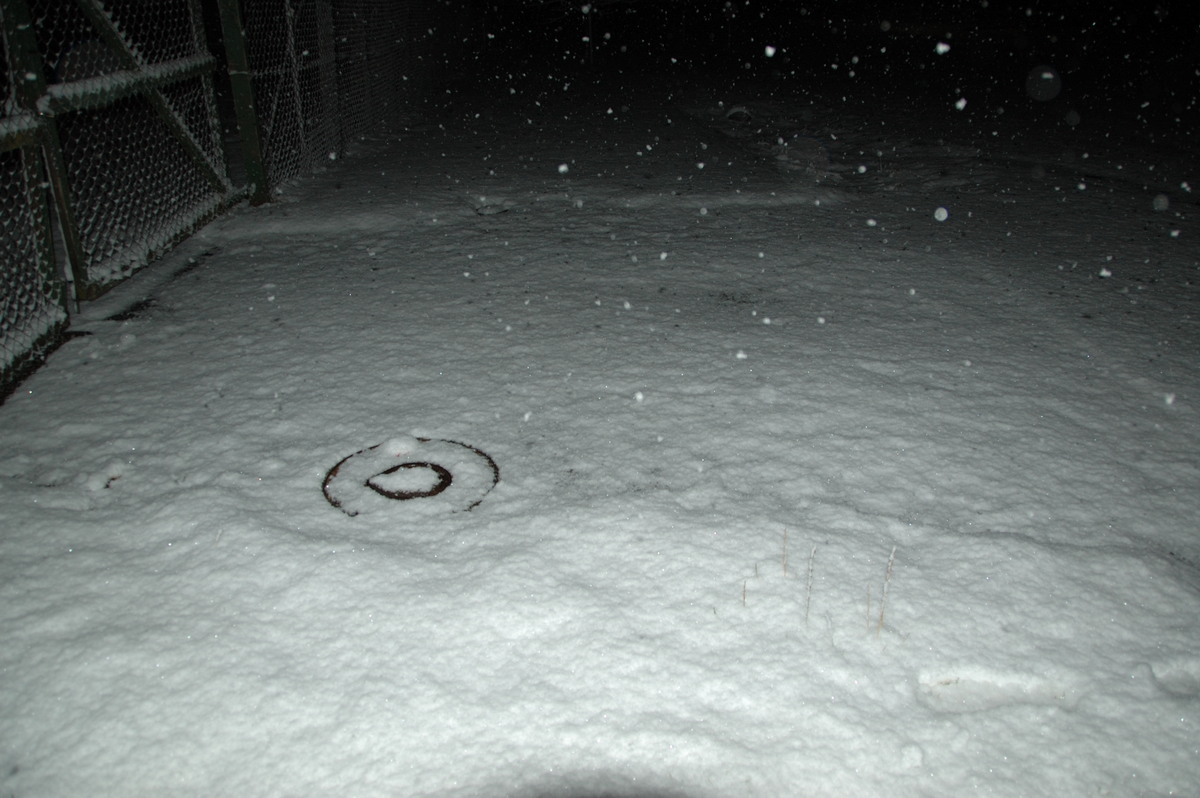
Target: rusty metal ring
445 477
444 480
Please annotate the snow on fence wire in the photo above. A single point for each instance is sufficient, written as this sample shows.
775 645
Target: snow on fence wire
128 93
122 110
387 55
33 315
291 60
323 73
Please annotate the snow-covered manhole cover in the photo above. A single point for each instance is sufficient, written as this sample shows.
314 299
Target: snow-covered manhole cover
431 475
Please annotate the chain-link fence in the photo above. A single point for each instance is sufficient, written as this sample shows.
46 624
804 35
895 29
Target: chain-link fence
129 87
344 68
33 315
125 111
377 81
111 105
289 46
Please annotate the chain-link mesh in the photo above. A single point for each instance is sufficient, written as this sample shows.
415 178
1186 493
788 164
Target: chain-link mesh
327 72
368 56
137 127
32 317
290 48
129 205
74 48
7 101
385 61
32 314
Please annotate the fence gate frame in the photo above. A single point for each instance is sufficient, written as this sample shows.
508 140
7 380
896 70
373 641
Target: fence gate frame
41 105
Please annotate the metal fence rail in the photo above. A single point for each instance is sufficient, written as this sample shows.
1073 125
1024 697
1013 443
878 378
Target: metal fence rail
116 117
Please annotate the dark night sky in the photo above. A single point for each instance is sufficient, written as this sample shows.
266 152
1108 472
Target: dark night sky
1131 64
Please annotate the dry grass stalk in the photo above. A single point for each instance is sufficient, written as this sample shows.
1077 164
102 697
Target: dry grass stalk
868 608
887 581
808 584
785 551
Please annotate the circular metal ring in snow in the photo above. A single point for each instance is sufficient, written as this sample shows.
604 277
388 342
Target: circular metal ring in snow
444 480
447 476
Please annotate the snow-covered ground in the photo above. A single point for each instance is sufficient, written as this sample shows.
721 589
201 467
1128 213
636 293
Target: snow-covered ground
861 465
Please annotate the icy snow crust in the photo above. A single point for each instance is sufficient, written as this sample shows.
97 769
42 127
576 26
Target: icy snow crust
803 491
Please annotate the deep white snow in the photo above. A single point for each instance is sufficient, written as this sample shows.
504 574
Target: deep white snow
857 463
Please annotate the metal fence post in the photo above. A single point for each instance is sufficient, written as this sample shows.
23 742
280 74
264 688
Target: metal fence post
243 99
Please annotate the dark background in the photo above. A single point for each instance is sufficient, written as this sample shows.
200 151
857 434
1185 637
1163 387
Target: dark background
1129 69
